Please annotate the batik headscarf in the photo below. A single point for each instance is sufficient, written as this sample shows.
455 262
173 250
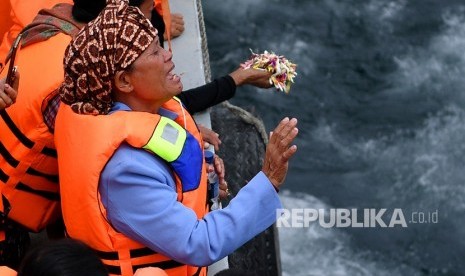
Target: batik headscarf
109 43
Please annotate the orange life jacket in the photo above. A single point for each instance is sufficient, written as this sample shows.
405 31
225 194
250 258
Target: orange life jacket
5 23
28 160
16 14
85 143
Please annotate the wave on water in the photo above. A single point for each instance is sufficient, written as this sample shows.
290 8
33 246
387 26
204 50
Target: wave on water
420 171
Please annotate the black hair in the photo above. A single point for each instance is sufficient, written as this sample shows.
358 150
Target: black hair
86 10
64 257
157 22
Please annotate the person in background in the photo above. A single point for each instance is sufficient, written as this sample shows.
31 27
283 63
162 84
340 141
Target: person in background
17 14
132 171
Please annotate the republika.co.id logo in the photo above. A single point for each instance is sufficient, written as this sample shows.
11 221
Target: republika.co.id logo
340 217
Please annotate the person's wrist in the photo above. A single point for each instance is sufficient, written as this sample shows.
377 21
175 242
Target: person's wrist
275 185
238 77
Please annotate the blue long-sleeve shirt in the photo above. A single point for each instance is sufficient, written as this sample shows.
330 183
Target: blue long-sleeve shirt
138 191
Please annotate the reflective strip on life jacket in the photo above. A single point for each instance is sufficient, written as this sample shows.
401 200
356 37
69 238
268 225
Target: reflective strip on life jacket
167 140
180 149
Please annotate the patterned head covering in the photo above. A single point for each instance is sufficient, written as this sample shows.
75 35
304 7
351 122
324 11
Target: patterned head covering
109 43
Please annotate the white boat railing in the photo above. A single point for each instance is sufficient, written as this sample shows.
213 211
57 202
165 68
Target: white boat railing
190 55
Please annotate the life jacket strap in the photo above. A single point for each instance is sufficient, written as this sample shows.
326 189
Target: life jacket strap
135 253
23 138
165 265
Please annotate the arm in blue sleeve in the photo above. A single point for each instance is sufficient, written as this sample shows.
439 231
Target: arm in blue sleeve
137 190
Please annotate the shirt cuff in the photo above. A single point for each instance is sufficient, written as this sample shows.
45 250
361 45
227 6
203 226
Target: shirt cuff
231 81
260 184
263 175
